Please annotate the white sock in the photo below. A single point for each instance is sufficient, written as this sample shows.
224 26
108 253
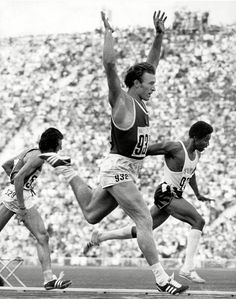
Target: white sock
160 274
192 246
47 275
67 171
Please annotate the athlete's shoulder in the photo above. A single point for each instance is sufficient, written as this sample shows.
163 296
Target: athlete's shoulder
170 148
32 157
173 146
31 153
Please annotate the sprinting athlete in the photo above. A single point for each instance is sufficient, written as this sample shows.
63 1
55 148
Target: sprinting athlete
19 198
180 162
129 144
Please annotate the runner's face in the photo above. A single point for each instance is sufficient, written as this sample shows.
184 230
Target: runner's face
202 143
147 86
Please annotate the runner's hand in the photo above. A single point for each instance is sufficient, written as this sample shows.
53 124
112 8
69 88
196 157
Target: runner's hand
203 198
21 214
106 22
159 21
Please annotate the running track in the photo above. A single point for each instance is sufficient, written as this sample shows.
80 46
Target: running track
119 283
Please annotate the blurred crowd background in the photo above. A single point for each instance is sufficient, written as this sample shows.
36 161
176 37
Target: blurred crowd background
59 81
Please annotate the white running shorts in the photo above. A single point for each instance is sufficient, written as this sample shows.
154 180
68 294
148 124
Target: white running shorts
8 198
116 169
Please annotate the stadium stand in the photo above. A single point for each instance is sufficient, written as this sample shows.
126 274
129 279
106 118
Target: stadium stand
59 80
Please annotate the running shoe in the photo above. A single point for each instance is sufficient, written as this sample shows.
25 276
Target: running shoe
57 283
172 287
93 242
191 276
1 281
55 160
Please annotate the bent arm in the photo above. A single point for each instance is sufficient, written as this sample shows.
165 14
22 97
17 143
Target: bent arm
19 180
19 186
193 184
8 166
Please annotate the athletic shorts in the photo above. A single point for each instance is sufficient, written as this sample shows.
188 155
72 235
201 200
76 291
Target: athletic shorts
164 194
116 169
8 198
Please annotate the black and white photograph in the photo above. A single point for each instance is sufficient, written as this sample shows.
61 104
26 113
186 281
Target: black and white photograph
117 149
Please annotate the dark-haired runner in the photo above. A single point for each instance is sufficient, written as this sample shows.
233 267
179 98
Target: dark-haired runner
180 162
19 198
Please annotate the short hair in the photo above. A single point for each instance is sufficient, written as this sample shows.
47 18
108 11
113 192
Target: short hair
200 129
136 72
49 140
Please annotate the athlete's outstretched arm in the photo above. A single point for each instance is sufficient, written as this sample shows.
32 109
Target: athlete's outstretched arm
109 62
155 52
163 148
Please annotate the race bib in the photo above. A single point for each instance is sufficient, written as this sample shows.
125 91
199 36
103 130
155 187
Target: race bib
142 142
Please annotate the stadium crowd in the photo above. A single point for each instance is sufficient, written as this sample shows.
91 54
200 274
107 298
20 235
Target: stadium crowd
59 80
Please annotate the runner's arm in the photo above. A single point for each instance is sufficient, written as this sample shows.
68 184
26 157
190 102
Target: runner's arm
19 179
193 184
8 166
155 51
109 62
164 148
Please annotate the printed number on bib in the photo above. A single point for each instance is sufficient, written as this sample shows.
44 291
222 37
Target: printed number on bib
183 182
121 177
10 193
30 182
142 142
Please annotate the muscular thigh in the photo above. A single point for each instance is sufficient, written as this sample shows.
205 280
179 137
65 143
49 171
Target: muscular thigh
182 210
101 197
130 200
34 222
102 203
159 216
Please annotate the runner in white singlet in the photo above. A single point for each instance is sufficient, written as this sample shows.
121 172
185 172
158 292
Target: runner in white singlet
180 161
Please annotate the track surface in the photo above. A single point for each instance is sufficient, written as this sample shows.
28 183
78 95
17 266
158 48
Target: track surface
119 283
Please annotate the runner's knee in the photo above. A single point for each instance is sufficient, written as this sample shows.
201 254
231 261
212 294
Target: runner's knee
42 237
91 216
92 219
144 222
198 223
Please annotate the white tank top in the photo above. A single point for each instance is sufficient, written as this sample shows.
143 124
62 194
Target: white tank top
180 179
